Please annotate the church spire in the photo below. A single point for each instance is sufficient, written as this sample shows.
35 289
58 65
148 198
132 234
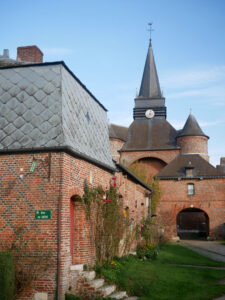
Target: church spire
150 97
150 87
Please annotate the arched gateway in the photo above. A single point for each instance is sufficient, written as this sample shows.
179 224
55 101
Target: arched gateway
192 223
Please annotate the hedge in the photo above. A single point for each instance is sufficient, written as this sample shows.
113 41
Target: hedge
7 276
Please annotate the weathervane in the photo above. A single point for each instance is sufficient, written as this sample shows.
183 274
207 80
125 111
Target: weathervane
150 29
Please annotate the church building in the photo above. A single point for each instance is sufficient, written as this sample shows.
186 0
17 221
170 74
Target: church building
192 202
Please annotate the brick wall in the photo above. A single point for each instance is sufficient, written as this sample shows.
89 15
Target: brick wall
209 196
115 145
56 178
194 144
22 193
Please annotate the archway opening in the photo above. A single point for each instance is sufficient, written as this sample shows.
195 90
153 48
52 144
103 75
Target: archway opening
192 223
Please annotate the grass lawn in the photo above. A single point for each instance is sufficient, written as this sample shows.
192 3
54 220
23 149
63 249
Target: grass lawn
176 254
160 279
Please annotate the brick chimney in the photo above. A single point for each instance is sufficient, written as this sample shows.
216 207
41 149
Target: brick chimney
29 54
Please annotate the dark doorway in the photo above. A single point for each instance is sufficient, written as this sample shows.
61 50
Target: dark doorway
192 223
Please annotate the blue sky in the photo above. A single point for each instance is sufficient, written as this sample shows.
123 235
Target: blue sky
105 44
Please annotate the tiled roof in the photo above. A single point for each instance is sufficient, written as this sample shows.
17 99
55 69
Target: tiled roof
176 168
118 132
150 87
154 134
191 128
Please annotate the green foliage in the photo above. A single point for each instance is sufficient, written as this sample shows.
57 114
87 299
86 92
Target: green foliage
149 251
139 169
109 225
157 280
7 276
72 297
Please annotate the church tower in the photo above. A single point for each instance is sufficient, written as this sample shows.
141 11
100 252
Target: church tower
151 140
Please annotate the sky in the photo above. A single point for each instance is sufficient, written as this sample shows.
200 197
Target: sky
105 42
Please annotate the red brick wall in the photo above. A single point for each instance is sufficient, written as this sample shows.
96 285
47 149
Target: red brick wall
209 196
134 197
194 144
22 193
56 178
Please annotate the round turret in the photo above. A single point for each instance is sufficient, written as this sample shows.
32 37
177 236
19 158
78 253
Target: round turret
192 140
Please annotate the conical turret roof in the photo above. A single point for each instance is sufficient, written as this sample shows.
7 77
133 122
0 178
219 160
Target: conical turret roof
191 128
150 87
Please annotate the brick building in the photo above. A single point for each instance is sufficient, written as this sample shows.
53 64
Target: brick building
192 200
53 137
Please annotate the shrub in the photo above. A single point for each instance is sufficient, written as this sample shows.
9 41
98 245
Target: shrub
149 251
7 276
30 260
72 297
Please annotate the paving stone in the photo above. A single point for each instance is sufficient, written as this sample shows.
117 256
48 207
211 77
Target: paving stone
119 295
107 290
89 275
76 268
97 283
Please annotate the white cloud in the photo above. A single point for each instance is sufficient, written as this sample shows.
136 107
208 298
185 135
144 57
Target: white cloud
178 124
121 120
190 78
213 123
57 51
215 95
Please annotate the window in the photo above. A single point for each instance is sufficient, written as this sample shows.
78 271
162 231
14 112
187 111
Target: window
190 189
146 201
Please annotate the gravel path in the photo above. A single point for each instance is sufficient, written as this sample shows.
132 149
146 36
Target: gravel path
211 249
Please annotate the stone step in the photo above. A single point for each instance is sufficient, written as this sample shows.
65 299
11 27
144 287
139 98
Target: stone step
97 283
77 268
119 295
107 290
131 298
89 275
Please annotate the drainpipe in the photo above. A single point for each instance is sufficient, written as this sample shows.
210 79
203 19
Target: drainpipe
150 203
59 228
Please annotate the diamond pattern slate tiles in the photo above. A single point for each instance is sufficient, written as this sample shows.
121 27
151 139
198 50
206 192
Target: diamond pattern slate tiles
45 106
26 94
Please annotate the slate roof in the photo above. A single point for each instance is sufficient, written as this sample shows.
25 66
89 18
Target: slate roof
118 132
45 106
191 128
150 87
150 134
201 168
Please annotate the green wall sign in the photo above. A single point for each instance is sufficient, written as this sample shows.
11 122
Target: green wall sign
33 166
43 214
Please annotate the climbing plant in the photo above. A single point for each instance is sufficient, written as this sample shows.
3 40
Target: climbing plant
109 222
139 169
